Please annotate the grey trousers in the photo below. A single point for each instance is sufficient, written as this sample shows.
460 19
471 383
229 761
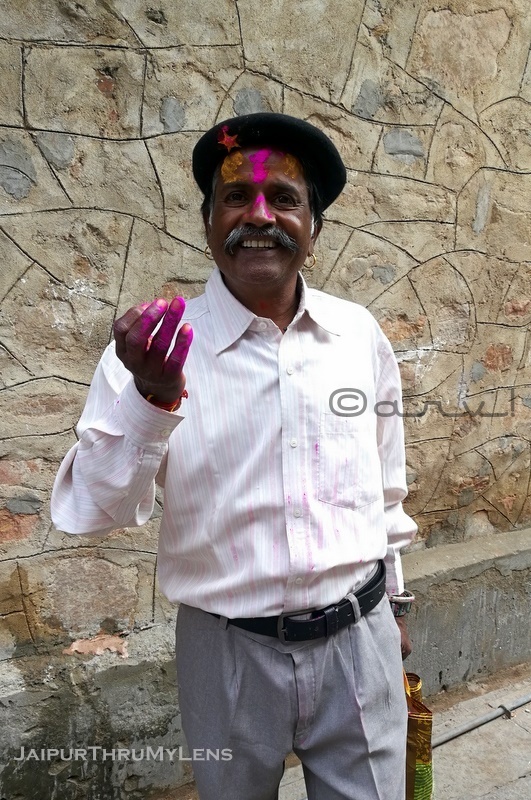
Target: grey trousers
338 703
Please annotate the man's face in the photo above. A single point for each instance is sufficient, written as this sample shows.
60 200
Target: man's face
260 191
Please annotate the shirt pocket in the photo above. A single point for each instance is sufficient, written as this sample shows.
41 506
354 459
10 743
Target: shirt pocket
349 465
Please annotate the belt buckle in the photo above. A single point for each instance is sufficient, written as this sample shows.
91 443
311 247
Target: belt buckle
280 622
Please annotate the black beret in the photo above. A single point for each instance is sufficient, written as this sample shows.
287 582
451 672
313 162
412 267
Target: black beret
318 155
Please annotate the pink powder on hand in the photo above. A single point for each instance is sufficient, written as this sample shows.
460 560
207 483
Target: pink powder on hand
183 343
146 325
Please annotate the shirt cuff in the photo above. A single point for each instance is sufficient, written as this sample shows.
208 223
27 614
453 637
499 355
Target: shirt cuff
394 583
147 426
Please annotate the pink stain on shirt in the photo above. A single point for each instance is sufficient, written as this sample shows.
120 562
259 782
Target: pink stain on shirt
320 535
258 161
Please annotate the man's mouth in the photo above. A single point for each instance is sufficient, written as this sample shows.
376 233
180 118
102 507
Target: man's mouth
259 238
269 243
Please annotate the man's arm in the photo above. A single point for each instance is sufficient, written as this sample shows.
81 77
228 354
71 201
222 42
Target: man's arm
400 527
107 480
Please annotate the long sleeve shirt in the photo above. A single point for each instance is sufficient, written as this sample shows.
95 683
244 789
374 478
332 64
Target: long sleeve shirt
279 495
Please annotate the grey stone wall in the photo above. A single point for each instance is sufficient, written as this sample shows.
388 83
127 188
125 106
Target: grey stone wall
100 105
471 615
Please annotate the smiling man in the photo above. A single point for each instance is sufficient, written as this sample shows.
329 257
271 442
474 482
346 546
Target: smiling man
260 230
282 520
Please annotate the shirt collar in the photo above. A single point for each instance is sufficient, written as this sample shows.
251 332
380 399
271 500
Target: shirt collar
231 318
319 309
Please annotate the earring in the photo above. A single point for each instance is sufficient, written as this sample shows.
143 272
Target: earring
208 253
312 263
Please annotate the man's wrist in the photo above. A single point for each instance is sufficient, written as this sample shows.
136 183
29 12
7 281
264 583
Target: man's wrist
158 397
141 422
401 603
172 406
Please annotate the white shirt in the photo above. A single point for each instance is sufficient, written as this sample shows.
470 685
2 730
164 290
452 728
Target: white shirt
272 502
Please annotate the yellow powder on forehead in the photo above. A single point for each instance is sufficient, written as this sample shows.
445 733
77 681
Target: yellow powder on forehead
230 166
291 166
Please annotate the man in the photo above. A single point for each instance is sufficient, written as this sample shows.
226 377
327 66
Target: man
280 516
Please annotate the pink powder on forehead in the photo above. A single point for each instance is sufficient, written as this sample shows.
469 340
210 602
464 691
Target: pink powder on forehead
258 161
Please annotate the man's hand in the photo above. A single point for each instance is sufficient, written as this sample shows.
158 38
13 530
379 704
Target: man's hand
404 636
156 370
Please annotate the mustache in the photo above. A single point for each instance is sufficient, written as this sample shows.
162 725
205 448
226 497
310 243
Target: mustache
269 232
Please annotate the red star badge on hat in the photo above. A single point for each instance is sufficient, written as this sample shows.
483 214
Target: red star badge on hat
227 141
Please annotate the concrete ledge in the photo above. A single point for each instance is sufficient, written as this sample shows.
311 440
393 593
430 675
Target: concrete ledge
471 617
116 719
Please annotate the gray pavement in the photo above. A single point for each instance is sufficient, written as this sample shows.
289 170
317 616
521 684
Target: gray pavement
492 762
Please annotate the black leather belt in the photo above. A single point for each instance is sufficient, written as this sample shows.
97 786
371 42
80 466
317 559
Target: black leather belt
323 622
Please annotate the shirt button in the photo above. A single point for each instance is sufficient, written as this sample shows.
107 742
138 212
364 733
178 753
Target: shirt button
297 512
262 326
299 580
293 442
289 370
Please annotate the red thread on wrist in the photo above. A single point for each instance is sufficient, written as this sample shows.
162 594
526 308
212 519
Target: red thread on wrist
167 406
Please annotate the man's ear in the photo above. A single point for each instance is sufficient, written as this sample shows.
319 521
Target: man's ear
316 231
206 222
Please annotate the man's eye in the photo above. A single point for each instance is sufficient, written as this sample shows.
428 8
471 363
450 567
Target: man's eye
235 197
285 200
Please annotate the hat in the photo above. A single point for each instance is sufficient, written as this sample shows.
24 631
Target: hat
318 155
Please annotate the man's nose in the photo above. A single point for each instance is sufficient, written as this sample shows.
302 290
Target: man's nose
259 213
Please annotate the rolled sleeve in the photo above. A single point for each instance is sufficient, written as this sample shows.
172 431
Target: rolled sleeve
107 480
400 528
145 425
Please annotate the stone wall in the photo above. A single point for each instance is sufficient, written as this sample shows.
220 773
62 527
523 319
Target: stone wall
100 105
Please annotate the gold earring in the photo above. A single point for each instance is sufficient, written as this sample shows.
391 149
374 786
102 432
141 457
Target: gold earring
208 253
312 264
